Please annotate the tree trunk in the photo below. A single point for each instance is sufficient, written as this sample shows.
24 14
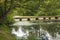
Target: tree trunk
5 12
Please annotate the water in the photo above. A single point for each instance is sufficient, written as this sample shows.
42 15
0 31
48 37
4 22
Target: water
45 32
19 33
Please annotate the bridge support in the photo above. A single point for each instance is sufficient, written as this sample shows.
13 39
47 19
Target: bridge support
20 19
56 17
44 18
37 19
28 19
49 18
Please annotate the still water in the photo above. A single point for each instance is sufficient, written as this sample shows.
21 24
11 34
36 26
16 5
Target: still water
36 30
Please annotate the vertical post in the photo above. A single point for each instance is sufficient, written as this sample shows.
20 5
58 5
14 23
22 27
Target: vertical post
56 17
44 18
49 19
20 19
37 19
28 19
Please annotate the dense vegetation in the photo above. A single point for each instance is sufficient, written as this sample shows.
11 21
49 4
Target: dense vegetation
10 8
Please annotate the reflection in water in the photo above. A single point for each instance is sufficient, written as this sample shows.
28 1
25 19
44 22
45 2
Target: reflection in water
23 23
44 34
48 36
19 33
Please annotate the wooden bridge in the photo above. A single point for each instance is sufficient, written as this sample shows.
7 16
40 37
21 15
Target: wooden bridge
29 18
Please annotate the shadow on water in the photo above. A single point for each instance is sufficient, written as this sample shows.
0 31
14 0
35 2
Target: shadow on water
37 30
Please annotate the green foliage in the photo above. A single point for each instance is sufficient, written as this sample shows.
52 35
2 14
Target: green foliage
11 8
5 33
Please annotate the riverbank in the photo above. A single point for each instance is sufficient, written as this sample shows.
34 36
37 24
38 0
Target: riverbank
5 33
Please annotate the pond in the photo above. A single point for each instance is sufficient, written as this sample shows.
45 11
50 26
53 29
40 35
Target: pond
36 30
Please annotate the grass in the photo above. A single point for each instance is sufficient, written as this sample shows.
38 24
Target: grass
5 33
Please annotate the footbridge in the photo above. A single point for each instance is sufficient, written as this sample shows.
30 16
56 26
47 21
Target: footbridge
34 18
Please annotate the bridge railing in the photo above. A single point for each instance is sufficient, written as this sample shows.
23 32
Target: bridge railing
29 18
